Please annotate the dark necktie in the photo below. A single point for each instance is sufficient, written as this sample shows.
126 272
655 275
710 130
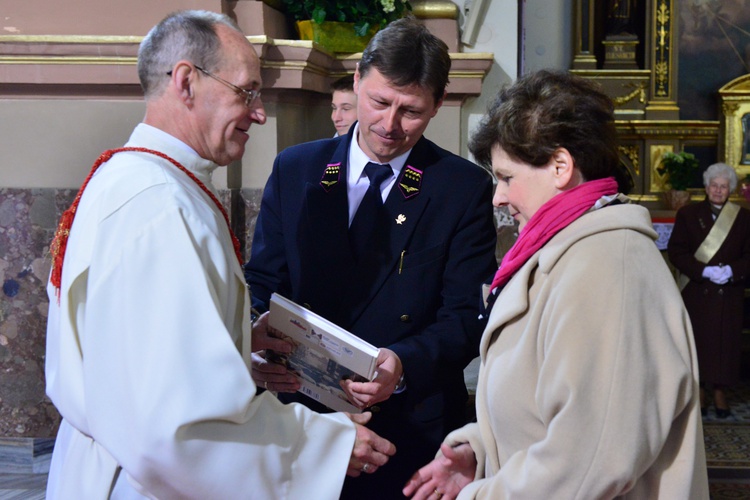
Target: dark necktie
365 220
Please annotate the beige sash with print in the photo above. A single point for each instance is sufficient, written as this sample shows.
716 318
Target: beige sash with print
715 238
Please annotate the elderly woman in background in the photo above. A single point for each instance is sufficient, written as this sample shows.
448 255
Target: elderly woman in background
710 247
588 382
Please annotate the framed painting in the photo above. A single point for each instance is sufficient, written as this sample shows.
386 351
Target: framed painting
713 49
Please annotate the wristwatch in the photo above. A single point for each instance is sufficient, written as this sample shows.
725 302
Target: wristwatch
401 385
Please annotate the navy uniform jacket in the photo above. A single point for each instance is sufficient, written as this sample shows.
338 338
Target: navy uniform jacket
418 294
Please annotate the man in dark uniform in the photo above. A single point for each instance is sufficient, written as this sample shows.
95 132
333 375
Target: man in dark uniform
412 285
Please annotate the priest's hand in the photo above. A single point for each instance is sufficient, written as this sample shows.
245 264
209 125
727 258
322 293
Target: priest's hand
445 476
370 450
365 394
267 345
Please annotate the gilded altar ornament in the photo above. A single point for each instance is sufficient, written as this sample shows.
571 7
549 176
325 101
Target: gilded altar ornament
663 49
639 91
632 154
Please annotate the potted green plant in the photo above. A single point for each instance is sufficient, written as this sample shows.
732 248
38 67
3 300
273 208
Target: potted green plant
679 170
343 25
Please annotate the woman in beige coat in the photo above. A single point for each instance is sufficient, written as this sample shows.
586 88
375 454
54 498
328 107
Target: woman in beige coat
588 384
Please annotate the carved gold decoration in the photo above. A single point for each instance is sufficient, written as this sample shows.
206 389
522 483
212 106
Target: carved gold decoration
662 18
662 71
663 46
656 152
639 91
631 153
732 133
730 109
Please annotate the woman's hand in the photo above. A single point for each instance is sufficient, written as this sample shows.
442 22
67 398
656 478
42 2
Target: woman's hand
444 477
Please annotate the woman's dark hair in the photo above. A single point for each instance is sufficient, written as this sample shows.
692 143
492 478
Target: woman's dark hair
547 110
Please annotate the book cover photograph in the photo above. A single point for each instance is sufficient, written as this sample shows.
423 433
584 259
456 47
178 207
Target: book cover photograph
324 354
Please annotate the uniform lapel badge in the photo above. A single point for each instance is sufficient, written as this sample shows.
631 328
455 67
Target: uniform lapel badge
330 176
410 182
400 219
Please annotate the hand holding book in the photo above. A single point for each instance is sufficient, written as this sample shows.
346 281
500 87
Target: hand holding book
367 393
267 337
325 354
267 373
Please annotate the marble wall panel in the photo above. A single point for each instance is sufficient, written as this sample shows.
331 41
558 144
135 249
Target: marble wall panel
27 222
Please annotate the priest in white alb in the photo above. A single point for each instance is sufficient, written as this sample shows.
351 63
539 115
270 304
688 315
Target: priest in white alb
148 339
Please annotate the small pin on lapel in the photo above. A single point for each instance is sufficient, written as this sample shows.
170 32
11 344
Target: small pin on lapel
400 219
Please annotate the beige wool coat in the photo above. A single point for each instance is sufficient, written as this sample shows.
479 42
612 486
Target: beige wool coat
588 385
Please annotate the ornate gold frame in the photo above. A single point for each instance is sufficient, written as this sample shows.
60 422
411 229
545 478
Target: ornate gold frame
735 104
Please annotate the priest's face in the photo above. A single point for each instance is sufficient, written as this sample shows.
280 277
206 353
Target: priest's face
718 190
224 113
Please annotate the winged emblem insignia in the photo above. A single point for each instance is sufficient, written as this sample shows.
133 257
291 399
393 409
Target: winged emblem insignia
330 176
410 182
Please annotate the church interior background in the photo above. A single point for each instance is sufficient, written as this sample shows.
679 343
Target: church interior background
675 72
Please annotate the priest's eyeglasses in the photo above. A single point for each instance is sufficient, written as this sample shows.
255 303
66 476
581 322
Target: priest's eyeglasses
249 96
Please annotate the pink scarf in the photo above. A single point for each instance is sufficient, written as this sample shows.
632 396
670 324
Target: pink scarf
550 219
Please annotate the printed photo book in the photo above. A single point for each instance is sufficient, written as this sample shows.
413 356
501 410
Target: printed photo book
325 353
